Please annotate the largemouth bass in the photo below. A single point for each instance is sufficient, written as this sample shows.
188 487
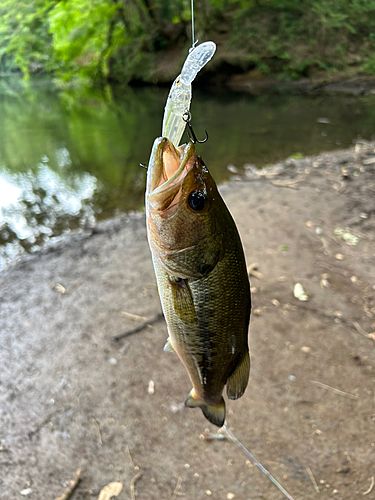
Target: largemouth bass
201 274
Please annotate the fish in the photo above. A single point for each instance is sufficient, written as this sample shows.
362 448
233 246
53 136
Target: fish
201 275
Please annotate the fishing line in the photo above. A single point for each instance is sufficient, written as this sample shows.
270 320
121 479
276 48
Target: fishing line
193 42
233 438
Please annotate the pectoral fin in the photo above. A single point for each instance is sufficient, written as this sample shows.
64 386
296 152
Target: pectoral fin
214 413
168 346
182 300
237 382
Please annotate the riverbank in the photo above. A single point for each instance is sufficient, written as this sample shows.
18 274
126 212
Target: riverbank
73 398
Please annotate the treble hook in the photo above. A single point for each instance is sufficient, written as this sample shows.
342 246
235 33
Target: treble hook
190 132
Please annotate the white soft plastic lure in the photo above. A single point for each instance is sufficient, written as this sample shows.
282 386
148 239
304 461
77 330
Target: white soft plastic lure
179 98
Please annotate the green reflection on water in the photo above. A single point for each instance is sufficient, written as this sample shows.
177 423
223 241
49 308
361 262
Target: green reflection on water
86 136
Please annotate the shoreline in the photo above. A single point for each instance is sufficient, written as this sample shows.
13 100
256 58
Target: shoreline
284 169
74 398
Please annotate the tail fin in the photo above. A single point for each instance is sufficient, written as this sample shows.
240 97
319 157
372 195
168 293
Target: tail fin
214 413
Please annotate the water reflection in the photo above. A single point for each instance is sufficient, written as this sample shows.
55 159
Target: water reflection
68 158
42 206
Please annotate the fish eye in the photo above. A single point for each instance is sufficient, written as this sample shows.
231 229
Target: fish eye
197 200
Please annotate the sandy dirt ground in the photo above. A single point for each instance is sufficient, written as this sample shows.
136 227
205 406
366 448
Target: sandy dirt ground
73 398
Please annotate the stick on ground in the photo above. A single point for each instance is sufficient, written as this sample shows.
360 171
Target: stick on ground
311 476
132 485
73 485
177 489
370 488
139 328
332 389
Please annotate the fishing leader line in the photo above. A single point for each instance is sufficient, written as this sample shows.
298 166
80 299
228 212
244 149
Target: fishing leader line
193 41
233 438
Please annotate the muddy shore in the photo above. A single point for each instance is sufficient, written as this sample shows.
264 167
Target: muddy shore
73 398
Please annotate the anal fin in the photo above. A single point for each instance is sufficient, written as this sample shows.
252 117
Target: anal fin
214 413
237 382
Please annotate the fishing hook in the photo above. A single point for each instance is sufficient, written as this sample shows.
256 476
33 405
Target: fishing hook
190 132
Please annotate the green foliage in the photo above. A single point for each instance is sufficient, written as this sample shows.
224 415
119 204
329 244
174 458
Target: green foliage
302 37
25 42
369 65
85 35
97 40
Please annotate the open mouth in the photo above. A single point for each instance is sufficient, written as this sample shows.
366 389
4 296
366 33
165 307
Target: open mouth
167 166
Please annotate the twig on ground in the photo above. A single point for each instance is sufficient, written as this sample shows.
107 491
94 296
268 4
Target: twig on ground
131 458
209 436
40 426
58 287
73 485
311 476
370 488
287 183
132 484
326 266
252 272
362 331
139 328
335 391
97 426
134 317
177 489
135 467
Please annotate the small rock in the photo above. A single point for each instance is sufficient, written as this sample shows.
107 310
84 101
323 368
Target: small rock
112 361
369 161
208 492
275 302
324 280
58 287
353 279
151 387
339 256
349 238
26 491
306 349
300 293
230 496
232 169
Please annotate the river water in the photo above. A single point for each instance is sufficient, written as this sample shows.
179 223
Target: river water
69 158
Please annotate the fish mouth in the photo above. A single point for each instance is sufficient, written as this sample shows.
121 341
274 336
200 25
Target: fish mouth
168 167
